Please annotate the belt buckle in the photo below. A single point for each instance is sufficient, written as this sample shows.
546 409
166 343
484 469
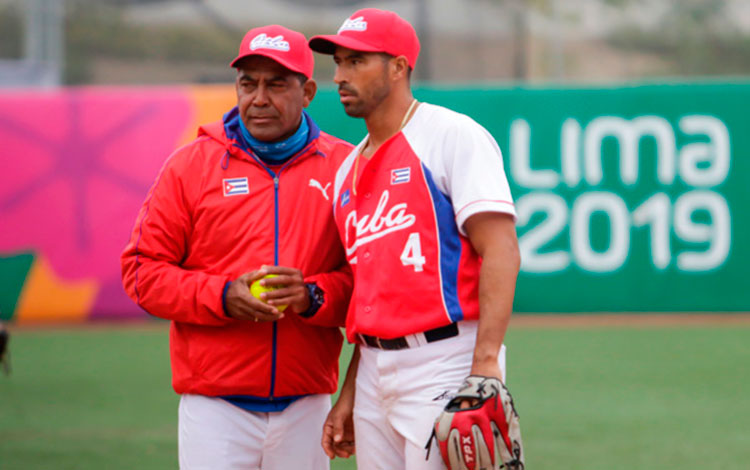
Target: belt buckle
371 341
394 344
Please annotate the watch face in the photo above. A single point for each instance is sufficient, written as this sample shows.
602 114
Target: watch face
318 294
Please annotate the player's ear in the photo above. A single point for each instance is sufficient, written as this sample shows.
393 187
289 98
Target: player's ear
400 67
309 89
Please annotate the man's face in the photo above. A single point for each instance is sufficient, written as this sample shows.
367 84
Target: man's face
270 98
362 78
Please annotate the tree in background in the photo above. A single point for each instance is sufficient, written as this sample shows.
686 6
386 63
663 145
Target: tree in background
696 37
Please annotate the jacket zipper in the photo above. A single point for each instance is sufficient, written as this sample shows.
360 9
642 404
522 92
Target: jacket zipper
275 177
276 263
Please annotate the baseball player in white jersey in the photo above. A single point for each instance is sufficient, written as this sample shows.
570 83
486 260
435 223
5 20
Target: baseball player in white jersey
426 215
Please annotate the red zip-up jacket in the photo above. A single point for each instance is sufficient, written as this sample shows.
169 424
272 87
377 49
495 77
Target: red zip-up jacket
215 212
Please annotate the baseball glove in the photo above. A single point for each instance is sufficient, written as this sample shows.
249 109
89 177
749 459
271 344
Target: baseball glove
484 436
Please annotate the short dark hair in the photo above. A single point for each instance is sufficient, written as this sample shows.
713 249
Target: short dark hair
301 77
386 57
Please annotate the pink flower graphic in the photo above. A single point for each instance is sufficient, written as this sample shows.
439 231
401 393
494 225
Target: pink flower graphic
76 166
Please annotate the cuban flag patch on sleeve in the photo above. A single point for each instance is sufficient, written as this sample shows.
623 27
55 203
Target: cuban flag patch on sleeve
235 186
400 175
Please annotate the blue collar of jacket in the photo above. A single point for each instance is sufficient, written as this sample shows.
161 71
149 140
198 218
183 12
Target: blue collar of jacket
233 132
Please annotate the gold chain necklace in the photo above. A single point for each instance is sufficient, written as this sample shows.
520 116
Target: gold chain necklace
367 141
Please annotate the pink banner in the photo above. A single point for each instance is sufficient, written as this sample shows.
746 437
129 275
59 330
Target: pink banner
76 166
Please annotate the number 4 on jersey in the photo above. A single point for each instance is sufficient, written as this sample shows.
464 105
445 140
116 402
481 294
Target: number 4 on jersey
412 254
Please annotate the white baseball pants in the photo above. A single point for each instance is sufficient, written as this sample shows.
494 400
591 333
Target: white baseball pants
216 435
400 393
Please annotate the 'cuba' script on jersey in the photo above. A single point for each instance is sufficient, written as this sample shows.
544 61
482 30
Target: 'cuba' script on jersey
363 230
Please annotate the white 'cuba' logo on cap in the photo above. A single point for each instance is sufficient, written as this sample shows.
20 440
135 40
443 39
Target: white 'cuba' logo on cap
263 41
353 24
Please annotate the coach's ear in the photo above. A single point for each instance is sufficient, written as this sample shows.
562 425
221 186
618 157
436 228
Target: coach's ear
309 89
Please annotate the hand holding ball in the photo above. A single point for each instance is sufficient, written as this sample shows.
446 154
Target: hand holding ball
256 289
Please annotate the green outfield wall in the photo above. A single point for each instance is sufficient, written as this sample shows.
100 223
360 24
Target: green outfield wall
628 198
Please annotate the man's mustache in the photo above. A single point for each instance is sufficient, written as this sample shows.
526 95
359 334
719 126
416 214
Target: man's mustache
347 89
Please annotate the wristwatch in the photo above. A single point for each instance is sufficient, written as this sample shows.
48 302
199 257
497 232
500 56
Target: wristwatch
317 298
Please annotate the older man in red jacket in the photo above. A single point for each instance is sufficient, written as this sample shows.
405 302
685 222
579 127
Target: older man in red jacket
251 196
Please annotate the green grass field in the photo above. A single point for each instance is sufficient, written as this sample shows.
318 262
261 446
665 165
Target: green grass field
599 398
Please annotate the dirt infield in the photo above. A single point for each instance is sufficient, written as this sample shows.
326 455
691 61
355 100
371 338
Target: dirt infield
637 320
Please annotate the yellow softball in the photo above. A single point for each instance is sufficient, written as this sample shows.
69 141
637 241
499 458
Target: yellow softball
256 289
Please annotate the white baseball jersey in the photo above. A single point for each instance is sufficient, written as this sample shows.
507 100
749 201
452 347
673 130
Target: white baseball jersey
402 223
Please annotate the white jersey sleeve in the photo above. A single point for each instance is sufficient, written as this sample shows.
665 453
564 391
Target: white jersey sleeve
464 159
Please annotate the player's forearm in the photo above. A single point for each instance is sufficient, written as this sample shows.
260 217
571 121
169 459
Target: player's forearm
497 284
350 381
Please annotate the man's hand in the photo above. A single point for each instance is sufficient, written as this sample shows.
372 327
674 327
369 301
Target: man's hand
487 435
487 369
294 291
241 305
338 430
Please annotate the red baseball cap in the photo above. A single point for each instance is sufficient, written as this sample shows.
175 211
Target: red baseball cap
372 30
287 47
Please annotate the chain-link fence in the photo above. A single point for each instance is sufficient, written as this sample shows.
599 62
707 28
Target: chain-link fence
156 41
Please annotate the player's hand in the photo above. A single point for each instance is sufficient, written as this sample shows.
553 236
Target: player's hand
294 291
485 369
241 305
488 435
338 429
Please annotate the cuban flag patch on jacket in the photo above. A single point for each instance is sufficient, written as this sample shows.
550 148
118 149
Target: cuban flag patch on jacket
235 186
400 175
